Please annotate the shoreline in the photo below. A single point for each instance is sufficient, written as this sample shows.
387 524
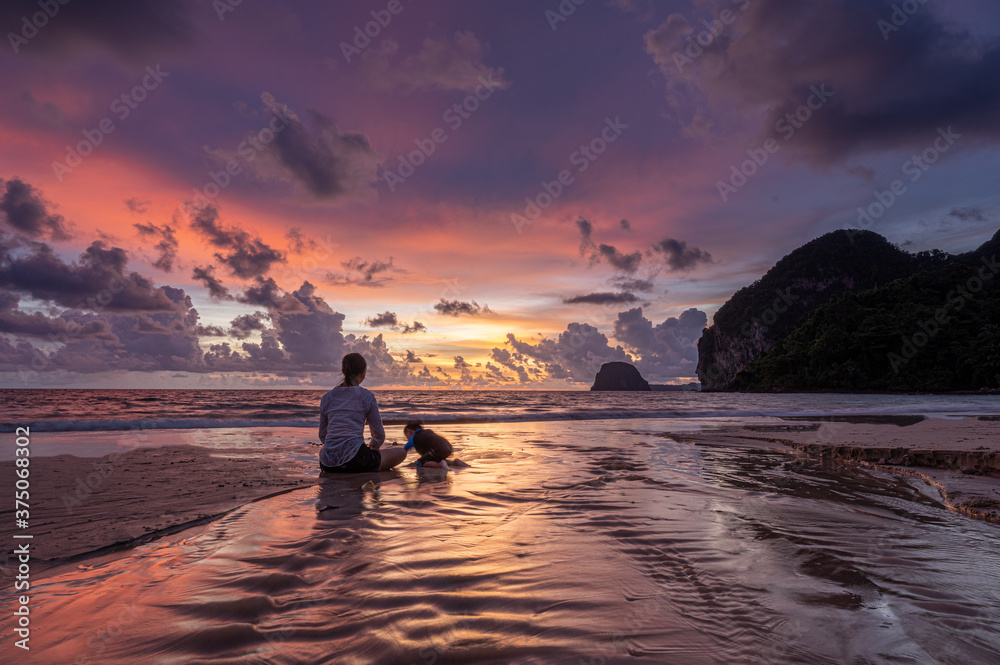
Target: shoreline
89 507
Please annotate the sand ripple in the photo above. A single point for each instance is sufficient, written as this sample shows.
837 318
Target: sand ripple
558 552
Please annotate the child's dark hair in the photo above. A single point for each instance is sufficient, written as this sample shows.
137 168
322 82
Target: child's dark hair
415 425
353 365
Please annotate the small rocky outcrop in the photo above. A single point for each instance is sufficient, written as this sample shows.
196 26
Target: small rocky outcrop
619 376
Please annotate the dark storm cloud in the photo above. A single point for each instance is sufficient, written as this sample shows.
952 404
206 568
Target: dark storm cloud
155 342
891 87
661 352
246 257
205 221
415 327
115 320
308 335
15 322
368 269
625 225
391 321
167 245
361 272
327 162
630 284
502 356
619 260
576 354
298 242
305 335
98 280
383 320
251 259
586 235
137 206
242 326
602 298
106 341
210 331
513 361
625 262
411 357
967 214
264 292
19 354
678 256
666 350
134 31
216 289
24 210
424 377
460 308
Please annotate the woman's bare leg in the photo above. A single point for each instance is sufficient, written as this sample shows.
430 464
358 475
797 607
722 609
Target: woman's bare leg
391 457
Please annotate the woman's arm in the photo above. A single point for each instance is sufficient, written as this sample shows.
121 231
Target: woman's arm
375 425
323 424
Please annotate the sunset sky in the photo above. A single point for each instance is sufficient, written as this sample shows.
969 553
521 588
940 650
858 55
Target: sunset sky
482 195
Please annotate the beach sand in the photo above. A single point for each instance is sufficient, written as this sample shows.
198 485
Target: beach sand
87 506
564 542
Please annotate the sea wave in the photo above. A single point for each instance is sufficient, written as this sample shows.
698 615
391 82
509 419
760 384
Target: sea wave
391 418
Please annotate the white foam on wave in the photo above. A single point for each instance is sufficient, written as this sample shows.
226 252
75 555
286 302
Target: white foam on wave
392 417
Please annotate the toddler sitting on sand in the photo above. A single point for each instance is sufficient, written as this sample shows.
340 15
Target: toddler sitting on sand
433 448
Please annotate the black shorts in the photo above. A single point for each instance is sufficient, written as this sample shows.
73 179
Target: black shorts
364 461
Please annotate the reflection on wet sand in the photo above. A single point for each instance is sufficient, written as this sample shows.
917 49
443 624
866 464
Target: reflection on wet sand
562 543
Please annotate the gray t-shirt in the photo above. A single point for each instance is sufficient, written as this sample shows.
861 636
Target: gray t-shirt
343 413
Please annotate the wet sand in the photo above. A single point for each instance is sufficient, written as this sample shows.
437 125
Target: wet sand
89 506
960 458
86 506
597 542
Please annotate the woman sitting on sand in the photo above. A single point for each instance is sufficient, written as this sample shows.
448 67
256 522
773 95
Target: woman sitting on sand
343 413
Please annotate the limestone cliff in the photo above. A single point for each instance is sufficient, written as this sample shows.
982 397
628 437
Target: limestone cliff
759 315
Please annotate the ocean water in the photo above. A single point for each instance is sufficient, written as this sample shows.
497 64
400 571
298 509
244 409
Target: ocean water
105 410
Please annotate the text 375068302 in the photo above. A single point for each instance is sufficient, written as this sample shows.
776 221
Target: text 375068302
22 581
